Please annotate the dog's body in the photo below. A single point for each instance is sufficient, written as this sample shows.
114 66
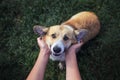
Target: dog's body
82 26
85 20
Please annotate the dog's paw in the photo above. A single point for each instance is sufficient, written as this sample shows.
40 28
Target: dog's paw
61 65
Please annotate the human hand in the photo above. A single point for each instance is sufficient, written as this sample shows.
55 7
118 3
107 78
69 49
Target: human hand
42 45
37 73
73 49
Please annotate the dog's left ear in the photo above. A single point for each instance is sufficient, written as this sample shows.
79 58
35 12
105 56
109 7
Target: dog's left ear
40 30
80 34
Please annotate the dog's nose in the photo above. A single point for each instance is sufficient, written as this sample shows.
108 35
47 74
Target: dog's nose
57 49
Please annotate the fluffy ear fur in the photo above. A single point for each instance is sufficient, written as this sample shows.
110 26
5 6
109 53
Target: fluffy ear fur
80 34
40 30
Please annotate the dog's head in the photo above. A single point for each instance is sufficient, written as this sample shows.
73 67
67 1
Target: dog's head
59 38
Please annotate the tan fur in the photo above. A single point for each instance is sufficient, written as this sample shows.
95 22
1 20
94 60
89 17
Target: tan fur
85 20
60 32
55 36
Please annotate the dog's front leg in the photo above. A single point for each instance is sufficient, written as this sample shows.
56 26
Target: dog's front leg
61 65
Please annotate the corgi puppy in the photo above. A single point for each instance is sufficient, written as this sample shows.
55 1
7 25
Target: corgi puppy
82 26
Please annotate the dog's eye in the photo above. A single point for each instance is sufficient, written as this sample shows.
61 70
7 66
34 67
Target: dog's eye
65 38
53 35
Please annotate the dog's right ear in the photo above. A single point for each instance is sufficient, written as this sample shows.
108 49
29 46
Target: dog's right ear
40 30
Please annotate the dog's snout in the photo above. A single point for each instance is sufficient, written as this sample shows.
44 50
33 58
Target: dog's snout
57 49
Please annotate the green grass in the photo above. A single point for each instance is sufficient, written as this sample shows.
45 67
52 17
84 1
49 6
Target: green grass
99 59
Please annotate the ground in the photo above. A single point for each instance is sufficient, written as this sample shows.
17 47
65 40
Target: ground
99 59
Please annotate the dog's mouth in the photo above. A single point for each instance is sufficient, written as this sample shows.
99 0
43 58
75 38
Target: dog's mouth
56 54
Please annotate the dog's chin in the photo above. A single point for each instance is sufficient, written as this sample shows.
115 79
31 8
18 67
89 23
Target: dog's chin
57 57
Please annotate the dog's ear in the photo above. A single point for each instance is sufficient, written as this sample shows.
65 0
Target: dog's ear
40 30
80 34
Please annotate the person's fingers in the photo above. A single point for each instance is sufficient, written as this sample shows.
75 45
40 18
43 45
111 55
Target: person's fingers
79 45
41 43
38 39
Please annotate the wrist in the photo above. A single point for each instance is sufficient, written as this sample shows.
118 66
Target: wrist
71 63
70 57
44 51
44 54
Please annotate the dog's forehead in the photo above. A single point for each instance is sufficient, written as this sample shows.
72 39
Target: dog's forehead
54 29
60 29
67 29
